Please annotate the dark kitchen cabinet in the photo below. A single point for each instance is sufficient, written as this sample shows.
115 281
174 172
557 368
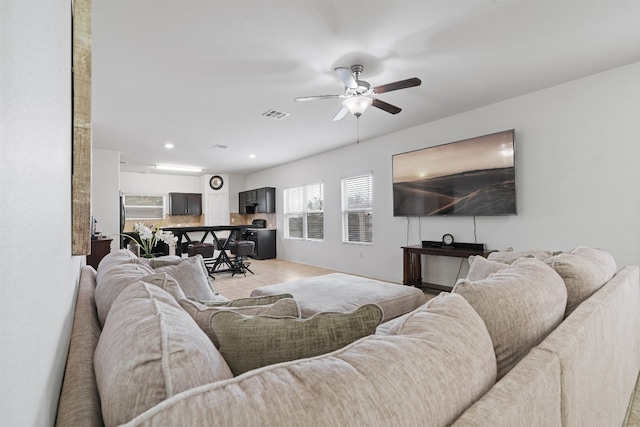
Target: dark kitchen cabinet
252 197
266 200
242 202
260 200
185 203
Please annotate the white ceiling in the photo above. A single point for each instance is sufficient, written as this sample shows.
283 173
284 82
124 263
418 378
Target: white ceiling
201 73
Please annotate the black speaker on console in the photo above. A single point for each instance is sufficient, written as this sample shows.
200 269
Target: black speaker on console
455 245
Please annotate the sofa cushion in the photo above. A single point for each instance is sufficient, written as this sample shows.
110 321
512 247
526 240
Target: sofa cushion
509 256
167 283
116 271
193 277
481 268
202 313
150 349
435 366
162 261
584 271
249 342
520 306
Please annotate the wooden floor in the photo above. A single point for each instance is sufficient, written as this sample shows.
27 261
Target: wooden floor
267 272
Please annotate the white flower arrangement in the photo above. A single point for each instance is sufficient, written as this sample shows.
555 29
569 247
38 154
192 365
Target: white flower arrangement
148 236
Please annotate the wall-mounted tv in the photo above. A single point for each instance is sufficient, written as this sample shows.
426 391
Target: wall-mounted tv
474 176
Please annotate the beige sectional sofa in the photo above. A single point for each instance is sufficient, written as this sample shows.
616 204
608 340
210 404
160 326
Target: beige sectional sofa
535 339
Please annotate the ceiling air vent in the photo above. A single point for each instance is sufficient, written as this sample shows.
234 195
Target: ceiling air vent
274 114
220 146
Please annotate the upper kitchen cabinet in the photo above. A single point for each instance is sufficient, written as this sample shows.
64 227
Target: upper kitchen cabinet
260 200
185 203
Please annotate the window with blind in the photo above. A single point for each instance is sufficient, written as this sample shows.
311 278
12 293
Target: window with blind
144 206
357 209
303 212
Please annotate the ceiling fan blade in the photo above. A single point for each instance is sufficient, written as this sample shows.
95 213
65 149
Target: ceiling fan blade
340 114
346 76
386 106
397 85
313 98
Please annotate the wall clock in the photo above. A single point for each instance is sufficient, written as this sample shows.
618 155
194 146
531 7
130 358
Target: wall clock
216 182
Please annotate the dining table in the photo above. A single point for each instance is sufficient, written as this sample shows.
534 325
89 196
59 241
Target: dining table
221 262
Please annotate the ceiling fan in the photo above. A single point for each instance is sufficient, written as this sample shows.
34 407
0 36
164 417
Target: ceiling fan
358 94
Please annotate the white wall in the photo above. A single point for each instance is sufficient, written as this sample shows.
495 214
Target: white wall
237 183
105 207
578 182
39 275
152 183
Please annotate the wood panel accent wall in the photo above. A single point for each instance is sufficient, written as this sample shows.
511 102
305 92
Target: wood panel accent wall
81 161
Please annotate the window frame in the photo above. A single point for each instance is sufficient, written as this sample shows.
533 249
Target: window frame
305 212
366 209
126 201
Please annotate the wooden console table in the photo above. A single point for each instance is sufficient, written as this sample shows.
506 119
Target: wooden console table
99 249
412 263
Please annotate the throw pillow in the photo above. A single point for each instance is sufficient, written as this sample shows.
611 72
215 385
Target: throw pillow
244 302
149 350
192 276
520 306
250 342
584 271
510 256
481 268
202 313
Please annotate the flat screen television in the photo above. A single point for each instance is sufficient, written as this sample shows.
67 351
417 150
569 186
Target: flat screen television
475 176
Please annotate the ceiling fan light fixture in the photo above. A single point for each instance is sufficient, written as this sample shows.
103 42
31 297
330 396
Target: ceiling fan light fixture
357 104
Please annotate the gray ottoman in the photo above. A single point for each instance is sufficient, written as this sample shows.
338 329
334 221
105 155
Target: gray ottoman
343 293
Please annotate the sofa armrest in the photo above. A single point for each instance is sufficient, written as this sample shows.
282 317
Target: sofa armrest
598 346
528 395
79 400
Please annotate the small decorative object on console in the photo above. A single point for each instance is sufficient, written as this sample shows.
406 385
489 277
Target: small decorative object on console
447 240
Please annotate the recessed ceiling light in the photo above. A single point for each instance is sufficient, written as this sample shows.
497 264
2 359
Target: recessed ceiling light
251 156
168 145
179 168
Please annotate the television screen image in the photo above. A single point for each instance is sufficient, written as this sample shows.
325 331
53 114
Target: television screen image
475 176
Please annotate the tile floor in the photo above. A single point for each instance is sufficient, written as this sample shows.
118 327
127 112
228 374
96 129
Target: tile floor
267 272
